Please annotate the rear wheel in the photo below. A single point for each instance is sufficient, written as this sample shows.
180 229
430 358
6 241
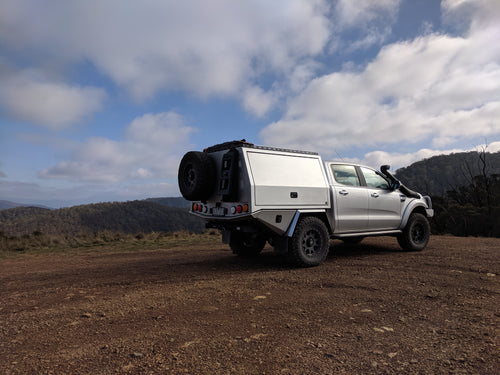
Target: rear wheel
416 234
309 243
196 176
246 244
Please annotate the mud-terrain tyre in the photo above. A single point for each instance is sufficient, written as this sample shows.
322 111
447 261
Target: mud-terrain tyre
416 234
246 244
308 247
196 176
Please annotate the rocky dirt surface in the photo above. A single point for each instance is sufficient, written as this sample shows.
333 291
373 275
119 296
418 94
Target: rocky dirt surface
369 309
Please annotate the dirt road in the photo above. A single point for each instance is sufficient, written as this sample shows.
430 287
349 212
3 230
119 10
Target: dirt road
370 308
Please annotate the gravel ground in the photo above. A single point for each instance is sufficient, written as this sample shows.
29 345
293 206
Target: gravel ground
369 309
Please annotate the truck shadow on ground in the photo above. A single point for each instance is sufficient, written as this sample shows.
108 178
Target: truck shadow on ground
343 250
270 261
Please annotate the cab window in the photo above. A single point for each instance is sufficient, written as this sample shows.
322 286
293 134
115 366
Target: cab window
373 180
345 175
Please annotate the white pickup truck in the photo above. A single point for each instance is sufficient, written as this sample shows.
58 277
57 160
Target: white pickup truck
296 201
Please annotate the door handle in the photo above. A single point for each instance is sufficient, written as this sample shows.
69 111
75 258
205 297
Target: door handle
343 192
375 195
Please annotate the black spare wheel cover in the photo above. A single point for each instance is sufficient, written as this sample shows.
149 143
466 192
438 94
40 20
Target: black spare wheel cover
196 176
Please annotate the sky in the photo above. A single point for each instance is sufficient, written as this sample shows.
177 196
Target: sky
100 99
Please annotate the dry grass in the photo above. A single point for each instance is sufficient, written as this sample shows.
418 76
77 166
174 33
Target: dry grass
40 243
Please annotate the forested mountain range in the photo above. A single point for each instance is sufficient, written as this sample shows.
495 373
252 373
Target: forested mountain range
126 217
439 174
8 204
172 202
465 190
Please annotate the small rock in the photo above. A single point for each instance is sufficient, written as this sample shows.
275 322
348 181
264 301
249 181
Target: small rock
86 315
137 355
258 336
490 275
256 298
413 361
388 329
392 355
189 343
366 311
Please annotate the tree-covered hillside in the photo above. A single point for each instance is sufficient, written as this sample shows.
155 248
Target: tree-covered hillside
465 190
439 174
8 204
125 217
172 202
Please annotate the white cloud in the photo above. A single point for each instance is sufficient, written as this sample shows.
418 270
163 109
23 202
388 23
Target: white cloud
301 76
256 101
149 190
440 87
29 97
370 22
205 48
355 13
223 47
399 160
151 148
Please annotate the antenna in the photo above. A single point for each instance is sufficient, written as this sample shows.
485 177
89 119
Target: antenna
340 157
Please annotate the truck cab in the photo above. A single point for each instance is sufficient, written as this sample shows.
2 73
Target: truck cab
364 200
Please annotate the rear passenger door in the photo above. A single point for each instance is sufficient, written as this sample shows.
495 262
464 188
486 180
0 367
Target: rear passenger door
350 199
384 204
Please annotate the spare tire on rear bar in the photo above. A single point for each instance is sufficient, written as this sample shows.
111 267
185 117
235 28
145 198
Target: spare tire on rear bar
196 176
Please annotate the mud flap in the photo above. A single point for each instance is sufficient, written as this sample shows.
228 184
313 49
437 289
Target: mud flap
226 236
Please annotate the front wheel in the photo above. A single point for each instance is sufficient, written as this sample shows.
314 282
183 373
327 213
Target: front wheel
246 244
309 243
416 234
